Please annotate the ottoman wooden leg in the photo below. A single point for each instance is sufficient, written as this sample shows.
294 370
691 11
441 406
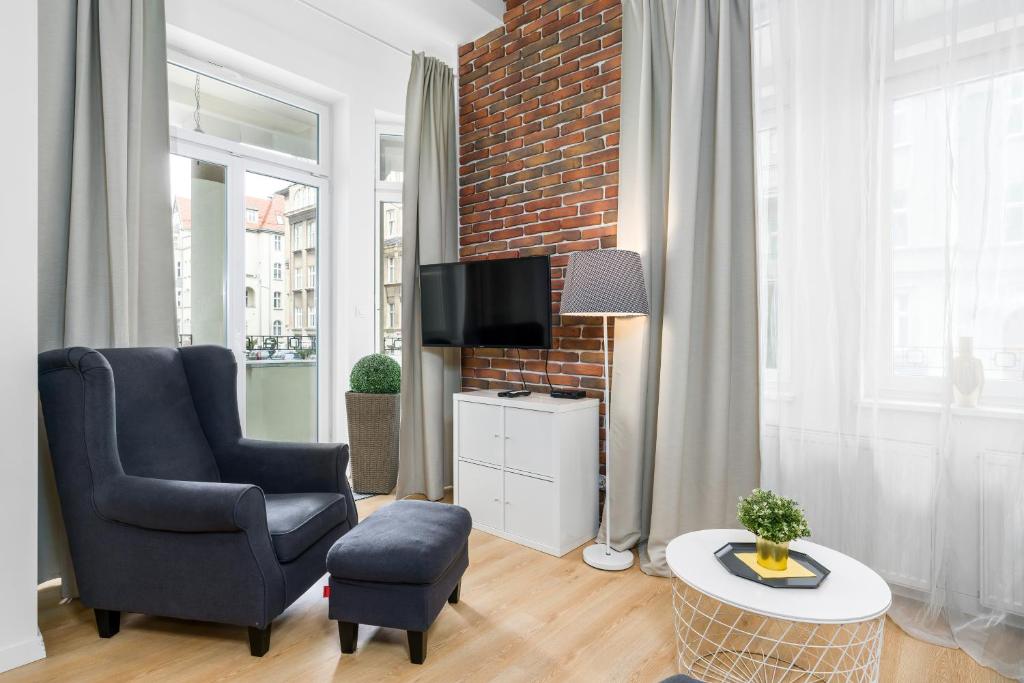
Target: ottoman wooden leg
417 646
348 633
453 599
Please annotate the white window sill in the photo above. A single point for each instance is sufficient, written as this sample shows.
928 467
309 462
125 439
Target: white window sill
983 411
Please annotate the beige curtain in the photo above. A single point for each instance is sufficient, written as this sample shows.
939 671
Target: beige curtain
105 254
684 384
429 235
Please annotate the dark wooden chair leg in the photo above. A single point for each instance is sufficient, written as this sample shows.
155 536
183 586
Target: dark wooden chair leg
259 640
453 599
417 646
108 622
348 633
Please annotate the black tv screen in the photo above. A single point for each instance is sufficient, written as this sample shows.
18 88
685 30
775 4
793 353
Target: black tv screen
504 303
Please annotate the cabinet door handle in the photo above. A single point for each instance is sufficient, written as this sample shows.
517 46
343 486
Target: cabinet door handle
497 436
509 438
497 500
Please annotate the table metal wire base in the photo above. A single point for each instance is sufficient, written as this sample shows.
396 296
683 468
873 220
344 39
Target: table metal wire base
719 643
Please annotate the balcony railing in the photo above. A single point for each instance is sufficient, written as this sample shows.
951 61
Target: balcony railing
295 347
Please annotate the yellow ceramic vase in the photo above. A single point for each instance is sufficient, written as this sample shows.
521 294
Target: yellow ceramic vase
772 555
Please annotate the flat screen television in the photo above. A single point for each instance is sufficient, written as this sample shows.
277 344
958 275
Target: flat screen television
504 303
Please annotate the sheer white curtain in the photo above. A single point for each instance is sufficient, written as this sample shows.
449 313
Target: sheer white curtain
890 147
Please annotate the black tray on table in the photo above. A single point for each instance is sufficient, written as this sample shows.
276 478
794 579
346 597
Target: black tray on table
735 566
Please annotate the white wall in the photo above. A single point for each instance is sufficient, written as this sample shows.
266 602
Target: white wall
295 48
20 641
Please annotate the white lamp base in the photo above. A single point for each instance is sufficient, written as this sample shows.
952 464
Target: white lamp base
601 556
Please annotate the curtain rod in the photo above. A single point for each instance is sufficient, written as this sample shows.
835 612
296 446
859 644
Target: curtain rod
327 14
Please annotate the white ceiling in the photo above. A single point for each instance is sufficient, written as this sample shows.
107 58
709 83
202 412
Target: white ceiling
436 27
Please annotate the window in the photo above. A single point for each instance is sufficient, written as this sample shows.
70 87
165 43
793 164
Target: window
390 145
297 313
220 130
311 282
391 152
311 234
240 117
296 236
297 275
312 316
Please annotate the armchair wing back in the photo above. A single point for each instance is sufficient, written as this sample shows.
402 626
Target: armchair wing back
159 432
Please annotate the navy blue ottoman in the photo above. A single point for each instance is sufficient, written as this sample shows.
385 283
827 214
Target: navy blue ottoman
397 568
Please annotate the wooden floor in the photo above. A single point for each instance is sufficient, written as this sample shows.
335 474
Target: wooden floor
524 616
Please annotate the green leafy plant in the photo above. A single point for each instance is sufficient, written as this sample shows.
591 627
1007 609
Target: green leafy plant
772 517
376 374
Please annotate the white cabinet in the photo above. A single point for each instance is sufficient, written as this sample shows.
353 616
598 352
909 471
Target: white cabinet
526 468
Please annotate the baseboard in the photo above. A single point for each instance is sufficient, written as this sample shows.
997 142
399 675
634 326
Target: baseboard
25 652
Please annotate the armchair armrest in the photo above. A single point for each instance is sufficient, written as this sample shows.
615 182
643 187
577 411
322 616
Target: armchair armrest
170 505
282 467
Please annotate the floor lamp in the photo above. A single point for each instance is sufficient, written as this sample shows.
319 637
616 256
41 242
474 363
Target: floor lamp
606 283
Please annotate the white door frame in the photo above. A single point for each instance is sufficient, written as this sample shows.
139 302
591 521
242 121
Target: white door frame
234 277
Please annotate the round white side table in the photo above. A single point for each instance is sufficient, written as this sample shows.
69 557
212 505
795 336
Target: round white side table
731 629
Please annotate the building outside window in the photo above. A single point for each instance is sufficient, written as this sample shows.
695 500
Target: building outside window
297 315
296 236
311 234
276 328
298 278
277 238
277 270
252 216
312 316
311 281
390 146
277 301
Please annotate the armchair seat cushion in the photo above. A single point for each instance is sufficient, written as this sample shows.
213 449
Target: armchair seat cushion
298 520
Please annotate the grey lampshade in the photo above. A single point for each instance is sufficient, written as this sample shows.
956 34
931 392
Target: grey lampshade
604 282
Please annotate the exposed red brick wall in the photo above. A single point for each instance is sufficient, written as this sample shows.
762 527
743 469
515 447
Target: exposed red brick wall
538 165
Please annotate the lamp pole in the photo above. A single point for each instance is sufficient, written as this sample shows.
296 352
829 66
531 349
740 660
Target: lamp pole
601 555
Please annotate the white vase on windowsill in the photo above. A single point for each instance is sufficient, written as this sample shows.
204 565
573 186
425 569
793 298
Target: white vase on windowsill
968 375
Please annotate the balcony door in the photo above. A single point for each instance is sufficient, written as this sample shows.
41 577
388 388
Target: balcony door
248 264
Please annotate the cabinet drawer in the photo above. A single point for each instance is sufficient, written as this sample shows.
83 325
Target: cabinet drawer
530 509
480 432
480 493
529 444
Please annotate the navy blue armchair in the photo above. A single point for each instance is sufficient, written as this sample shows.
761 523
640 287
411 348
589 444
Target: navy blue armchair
169 510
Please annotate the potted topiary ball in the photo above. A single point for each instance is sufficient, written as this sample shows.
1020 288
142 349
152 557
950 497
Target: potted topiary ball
373 424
